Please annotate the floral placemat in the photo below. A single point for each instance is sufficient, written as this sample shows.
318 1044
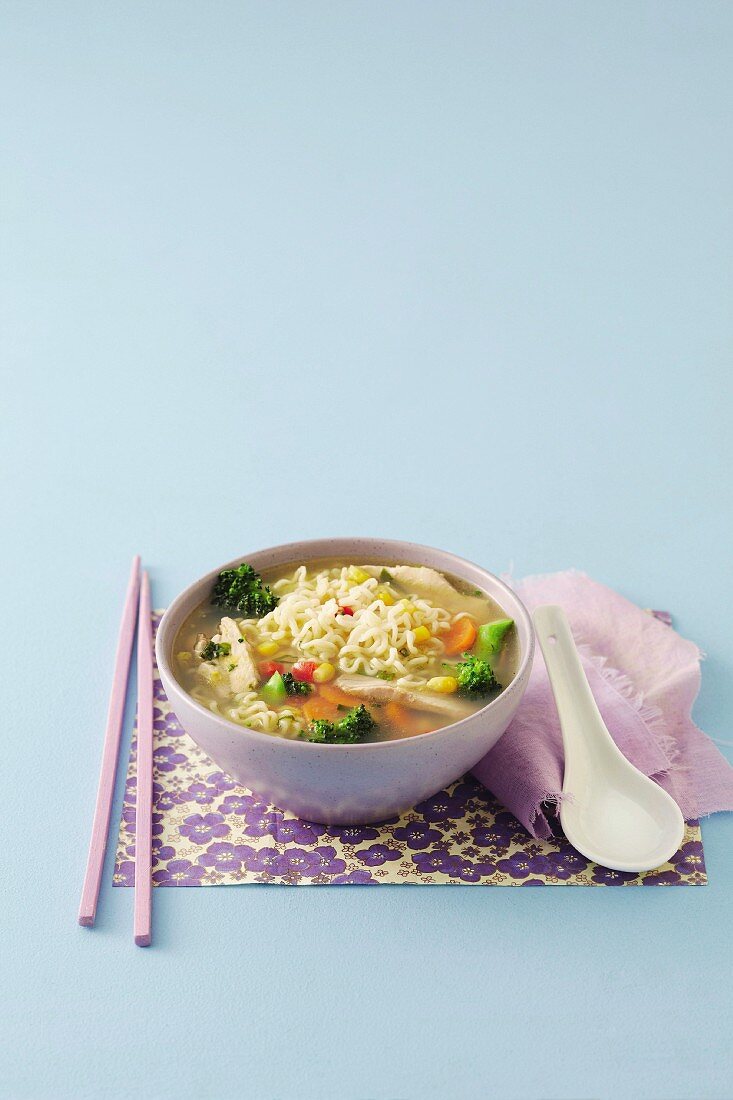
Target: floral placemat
208 831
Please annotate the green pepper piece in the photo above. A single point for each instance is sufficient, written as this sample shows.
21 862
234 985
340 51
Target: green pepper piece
490 639
274 692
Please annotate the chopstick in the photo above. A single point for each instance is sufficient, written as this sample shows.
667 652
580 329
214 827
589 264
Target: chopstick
144 800
110 752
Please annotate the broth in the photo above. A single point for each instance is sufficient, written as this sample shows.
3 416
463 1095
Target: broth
345 652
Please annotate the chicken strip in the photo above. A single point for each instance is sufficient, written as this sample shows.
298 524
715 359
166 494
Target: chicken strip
244 675
428 584
374 690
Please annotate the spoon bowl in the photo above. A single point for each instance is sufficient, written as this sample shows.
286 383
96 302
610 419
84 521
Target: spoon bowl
610 811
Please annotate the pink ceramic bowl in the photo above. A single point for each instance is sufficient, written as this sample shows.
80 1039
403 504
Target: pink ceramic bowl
347 784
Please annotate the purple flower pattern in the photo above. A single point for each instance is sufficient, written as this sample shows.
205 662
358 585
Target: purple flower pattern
353 834
208 830
203 827
605 876
417 834
224 856
377 854
166 758
690 858
178 872
240 804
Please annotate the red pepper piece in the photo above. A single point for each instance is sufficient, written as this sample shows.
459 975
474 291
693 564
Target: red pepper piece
269 668
304 670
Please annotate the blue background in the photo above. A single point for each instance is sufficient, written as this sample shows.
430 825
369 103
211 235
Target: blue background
458 273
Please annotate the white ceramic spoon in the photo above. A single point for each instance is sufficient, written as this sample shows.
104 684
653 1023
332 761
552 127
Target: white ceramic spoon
613 814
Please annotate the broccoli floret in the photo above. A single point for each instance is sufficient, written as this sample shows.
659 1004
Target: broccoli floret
475 677
320 731
295 687
356 724
212 650
349 730
242 590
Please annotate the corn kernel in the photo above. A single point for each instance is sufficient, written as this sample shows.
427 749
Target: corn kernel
407 606
323 673
446 685
267 648
184 656
357 575
385 597
422 634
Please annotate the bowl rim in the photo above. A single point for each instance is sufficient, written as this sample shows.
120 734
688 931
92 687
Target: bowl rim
164 664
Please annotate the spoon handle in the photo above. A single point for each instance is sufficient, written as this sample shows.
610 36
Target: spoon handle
580 719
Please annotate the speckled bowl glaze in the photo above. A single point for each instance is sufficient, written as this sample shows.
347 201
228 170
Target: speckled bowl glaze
347 784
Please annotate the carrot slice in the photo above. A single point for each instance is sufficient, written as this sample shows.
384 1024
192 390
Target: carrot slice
317 707
422 723
460 637
396 713
407 721
336 695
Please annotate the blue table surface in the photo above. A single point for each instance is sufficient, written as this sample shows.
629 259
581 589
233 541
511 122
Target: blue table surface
457 273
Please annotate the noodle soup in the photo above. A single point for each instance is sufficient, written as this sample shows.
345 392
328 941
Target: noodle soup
343 653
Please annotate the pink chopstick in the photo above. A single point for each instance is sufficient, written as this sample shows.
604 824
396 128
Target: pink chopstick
144 800
110 752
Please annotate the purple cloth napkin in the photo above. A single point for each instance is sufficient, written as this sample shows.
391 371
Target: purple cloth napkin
645 679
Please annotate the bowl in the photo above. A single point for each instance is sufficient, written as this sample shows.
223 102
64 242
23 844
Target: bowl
347 784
